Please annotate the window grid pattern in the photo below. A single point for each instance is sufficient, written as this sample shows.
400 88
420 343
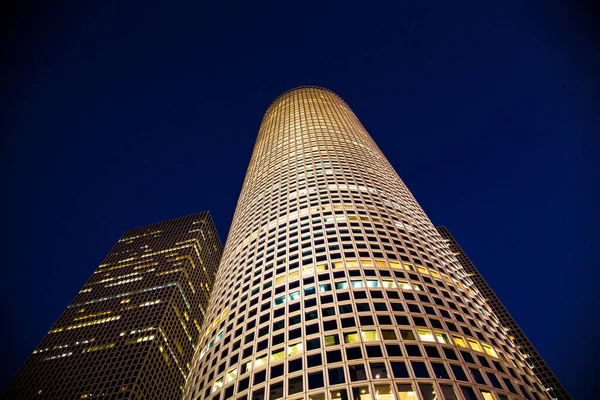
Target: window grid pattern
335 284
131 331
534 360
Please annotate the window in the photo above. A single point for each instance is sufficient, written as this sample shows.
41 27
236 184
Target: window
295 385
459 341
351 337
425 335
487 395
442 337
448 392
378 371
440 371
315 380
399 369
459 373
336 376
420 369
369 335
357 373
427 391
405 391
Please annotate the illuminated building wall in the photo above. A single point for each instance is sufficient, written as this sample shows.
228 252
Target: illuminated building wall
533 358
131 331
334 284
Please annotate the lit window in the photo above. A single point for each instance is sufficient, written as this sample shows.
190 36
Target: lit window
295 295
341 285
218 385
369 335
373 283
294 349
475 345
332 340
389 284
442 337
351 337
487 395
277 355
358 284
490 350
404 285
425 335
232 375
459 341
405 391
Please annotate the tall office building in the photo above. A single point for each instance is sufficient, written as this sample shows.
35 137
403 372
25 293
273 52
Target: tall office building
533 359
131 331
334 284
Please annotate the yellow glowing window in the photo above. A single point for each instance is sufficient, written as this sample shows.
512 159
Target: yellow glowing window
338 265
308 271
277 355
218 385
459 341
475 345
380 263
487 395
351 337
294 275
369 335
425 335
395 265
442 337
358 284
322 267
417 286
232 375
490 351
409 267
367 262
352 263
260 362
423 270
389 284
434 273
280 281
405 391
296 348
332 340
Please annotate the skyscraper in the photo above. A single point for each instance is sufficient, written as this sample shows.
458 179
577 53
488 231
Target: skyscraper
334 284
131 331
533 359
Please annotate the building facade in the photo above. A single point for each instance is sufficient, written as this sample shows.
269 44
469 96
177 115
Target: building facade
334 284
534 360
131 331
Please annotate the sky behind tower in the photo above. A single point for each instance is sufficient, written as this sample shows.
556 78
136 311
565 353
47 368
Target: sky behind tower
121 114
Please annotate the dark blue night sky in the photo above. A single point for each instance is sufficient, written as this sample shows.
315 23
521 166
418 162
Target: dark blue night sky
122 113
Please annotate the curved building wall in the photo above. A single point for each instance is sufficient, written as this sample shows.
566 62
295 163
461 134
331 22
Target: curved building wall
334 284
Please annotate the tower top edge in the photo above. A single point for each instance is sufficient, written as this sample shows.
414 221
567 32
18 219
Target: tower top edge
301 88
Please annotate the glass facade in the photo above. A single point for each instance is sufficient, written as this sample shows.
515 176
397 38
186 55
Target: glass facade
131 331
334 284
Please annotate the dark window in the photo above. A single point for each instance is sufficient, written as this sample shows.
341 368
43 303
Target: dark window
315 380
276 371
295 365
259 377
357 373
336 375
393 350
495 382
276 390
432 352
440 371
334 356
467 357
374 351
459 373
399 369
420 369
378 371
353 353
450 354
413 350
478 376
295 385
314 360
